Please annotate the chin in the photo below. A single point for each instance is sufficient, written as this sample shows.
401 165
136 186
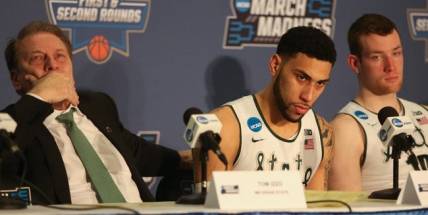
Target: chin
295 118
384 90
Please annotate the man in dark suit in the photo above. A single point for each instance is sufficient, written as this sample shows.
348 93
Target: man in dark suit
40 65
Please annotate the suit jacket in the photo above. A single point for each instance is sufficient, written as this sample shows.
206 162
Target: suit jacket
45 169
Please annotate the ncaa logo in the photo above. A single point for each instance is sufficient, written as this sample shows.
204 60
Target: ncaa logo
243 6
361 115
254 124
202 119
397 122
382 134
189 135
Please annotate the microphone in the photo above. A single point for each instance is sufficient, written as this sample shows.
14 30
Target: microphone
189 112
395 134
202 131
393 126
7 128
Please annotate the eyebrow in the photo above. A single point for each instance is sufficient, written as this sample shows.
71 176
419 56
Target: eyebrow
380 52
302 72
396 48
36 52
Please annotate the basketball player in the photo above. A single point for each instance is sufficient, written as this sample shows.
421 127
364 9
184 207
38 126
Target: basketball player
41 71
276 128
361 161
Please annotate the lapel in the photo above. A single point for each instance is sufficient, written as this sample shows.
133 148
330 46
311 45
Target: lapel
108 128
104 122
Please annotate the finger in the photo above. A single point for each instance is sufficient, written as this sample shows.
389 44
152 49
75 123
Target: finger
74 98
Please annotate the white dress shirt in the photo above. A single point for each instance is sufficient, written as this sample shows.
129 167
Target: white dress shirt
81 190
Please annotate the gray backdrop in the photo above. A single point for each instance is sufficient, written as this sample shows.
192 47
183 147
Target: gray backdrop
179 61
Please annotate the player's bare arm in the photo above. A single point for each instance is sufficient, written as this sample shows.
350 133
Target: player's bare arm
229 143
345 173
320 179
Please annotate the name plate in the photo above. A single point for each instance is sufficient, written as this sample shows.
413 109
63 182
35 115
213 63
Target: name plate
255 190
415 189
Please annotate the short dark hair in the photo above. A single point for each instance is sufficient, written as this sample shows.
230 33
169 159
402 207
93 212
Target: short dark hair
307 40
32 28
368 24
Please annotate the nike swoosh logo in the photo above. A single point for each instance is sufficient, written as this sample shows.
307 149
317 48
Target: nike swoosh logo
256 140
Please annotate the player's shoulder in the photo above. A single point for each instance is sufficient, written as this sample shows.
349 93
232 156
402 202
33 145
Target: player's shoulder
225 113
224 110
323 123
343 120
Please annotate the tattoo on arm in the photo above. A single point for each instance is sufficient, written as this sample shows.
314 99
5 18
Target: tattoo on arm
328 147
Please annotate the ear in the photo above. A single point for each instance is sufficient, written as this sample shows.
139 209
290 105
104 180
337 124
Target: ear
275 64
354 63
15 79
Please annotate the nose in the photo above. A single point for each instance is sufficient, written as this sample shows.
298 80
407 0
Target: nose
50 63
389 64
307 93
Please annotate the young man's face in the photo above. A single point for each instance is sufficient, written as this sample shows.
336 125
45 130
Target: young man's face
38 55
299 82
381 63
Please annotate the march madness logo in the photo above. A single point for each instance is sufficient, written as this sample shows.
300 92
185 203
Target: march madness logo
418 25
99 27
262 22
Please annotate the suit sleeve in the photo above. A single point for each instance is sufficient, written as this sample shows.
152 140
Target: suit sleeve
150 159
28 113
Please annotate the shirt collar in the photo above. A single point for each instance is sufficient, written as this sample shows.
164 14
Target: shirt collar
52 117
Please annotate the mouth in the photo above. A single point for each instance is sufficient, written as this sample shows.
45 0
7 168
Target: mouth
392 78
301 109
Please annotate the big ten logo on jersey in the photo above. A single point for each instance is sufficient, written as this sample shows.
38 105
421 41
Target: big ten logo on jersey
262 22
100 27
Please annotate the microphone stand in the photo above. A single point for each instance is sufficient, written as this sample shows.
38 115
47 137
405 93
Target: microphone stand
208 142
11 202
400 143
8 202
198 198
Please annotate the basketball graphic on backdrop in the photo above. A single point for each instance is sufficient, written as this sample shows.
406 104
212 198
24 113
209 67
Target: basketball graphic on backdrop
99 48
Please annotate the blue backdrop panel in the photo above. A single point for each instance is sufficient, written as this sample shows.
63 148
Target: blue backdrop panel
179 60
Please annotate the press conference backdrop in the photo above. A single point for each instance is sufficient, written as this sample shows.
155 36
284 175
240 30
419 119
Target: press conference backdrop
157 58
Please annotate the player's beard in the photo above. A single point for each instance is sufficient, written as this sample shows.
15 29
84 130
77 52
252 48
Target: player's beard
280 104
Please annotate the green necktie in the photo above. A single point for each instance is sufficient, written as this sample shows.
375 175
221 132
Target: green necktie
100 177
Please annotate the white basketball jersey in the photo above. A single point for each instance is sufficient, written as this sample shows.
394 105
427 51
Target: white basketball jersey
377 162
261 149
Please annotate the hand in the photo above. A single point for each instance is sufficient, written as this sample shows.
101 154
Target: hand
54 88
186 159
